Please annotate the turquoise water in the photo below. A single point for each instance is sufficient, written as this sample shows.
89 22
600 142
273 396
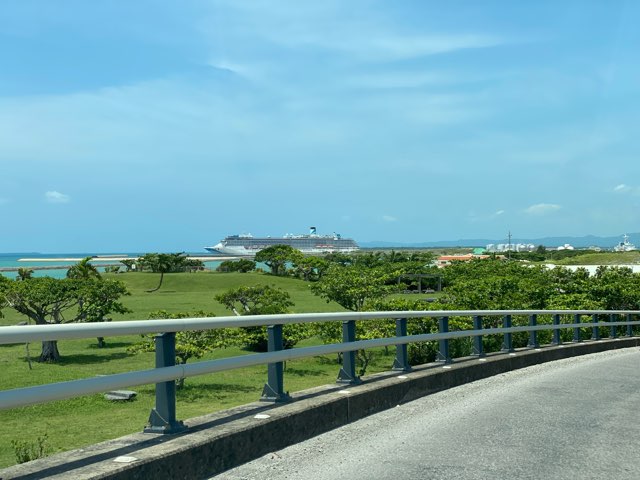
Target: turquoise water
13 260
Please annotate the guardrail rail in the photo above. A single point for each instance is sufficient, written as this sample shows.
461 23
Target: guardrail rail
163 416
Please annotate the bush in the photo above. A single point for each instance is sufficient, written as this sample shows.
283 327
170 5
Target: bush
242 266
26 451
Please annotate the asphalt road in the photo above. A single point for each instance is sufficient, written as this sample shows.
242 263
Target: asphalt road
572 419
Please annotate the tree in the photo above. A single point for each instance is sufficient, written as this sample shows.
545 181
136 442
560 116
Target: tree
352 286
129 264
276 257
162 263
83 270
99 299
45 300
310 268
24 273
4 282
262 300
189 344
339 258
243 266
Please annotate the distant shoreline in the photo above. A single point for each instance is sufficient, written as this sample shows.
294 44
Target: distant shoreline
119 259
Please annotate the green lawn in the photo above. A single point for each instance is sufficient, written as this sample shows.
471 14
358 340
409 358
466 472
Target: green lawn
90 419
182 292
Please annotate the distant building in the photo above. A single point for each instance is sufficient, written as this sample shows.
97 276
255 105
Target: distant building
510 247
566 246
444 260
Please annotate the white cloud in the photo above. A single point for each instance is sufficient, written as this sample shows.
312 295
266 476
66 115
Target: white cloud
57 197
389 218
626 189
542 209
622 188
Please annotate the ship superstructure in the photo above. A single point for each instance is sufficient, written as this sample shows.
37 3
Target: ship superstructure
625 245
311 243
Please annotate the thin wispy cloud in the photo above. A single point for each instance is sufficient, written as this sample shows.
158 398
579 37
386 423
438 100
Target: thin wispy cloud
624 189
542 209
473 217
54 196
389 218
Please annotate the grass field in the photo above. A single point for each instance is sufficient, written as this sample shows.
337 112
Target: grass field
603 258
81 421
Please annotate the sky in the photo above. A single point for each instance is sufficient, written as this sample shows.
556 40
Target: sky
166 126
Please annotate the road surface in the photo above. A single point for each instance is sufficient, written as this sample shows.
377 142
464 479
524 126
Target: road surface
573 419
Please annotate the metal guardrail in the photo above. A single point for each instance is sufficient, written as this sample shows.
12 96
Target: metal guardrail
163 416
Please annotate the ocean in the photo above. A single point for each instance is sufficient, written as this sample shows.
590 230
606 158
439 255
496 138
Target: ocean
31 260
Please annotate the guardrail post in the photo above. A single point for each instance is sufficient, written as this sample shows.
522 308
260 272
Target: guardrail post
596 330
348 371
478 349
163 417
556 332
576 330
629 326
613 330
401 362
533 335
507 345
443 345
273 390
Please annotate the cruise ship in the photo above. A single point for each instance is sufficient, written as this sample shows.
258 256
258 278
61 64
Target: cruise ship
311 243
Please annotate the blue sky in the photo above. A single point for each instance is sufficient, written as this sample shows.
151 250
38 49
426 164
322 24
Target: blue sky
165 126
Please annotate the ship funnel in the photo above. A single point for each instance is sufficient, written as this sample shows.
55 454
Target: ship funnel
312 230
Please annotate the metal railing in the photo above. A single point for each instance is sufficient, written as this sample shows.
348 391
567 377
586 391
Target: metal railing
163 416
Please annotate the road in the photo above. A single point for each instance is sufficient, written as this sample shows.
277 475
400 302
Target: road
572 419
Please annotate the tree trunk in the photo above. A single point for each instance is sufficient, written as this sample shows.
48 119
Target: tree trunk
159 285
50 352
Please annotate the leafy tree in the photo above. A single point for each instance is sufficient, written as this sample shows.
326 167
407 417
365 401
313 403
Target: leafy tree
189 344
100 298
310 268
129 264
4 283
339 258
167 263
262 300
243 266
162 263
45 300
616 288
488 284
276 257
352 286
83 270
